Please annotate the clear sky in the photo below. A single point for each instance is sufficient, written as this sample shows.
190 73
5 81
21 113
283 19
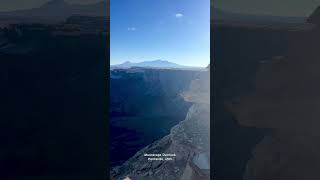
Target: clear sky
173 30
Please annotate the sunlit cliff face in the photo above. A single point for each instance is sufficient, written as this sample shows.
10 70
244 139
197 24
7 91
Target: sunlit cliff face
199 90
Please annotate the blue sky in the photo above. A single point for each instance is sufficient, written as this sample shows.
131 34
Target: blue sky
173 30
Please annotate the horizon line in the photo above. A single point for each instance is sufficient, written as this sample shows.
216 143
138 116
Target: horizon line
112 64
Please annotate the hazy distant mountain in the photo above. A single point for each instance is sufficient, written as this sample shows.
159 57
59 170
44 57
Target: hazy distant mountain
222 15
150 64
59 10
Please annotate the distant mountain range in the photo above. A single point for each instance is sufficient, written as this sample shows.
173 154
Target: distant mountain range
222 15
60 10
160 64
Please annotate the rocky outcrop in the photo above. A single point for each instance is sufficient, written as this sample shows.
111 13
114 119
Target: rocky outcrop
144 105
189 141
285 100
234 74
